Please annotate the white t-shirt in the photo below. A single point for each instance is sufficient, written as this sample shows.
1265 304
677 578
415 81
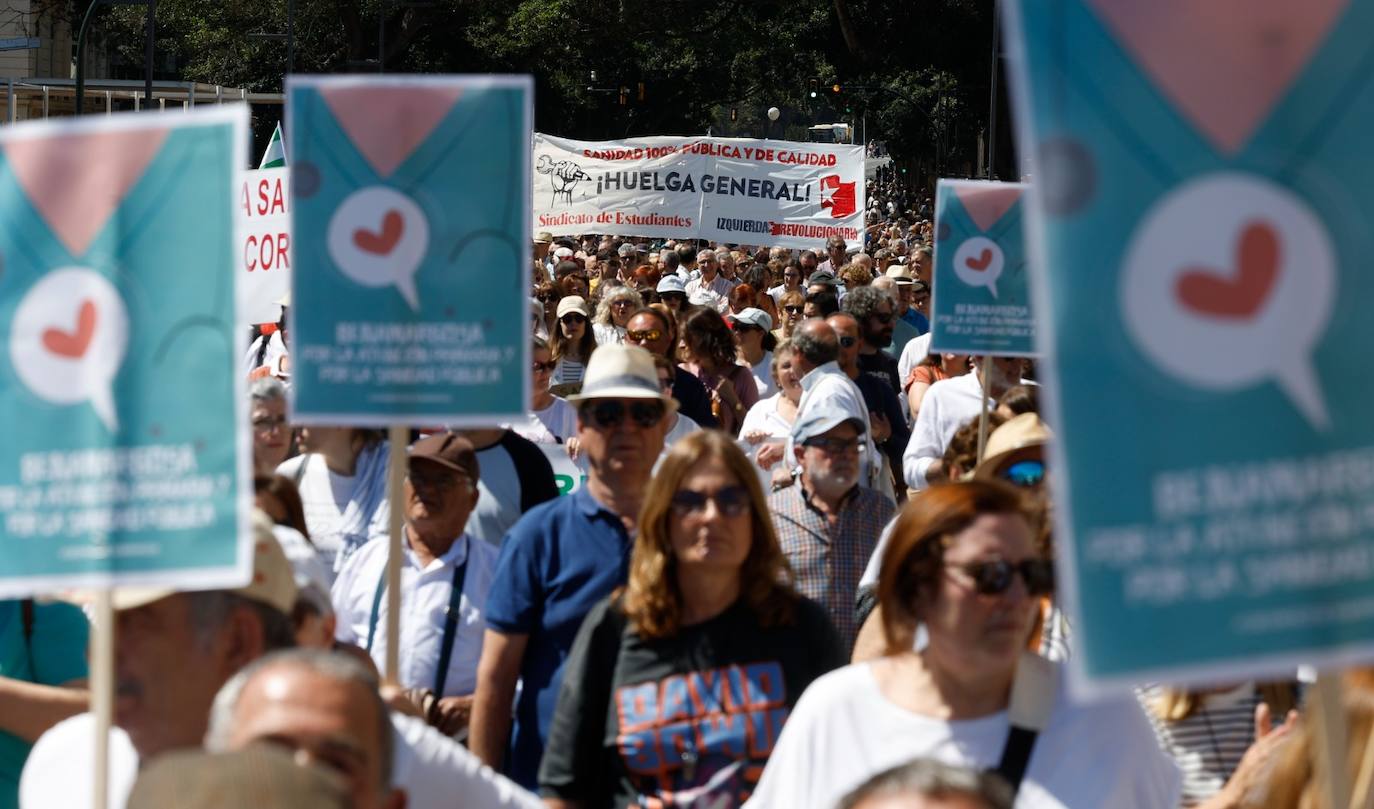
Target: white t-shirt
764 417
607 334
429 766
763 375
843 730
685 426
552 425
324 496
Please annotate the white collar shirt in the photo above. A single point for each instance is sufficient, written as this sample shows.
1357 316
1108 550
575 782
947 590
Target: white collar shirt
425 596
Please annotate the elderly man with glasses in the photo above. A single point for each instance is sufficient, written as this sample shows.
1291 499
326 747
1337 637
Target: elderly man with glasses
445 578
711 283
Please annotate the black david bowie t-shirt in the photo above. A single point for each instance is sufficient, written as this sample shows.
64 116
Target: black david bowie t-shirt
687 721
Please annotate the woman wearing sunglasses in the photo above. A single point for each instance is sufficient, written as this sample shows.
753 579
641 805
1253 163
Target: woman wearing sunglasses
551 420
677 686
710 350
963 562
790 307
613 312
573 342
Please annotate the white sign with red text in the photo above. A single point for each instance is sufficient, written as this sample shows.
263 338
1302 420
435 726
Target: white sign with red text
733 190
264 243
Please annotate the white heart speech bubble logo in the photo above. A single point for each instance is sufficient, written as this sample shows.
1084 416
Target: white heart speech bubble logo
1229 281
68 339
378 237
978 262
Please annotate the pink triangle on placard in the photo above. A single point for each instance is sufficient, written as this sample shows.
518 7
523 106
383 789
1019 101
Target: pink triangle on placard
387 124
1223 64
78 180
987 203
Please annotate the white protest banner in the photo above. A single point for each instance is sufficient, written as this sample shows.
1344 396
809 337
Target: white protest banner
775 193
263 211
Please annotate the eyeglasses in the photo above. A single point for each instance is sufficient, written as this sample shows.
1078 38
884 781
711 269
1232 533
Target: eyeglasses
548 298
544 366
607 414
434 479
267 424
833 445
619 303
793 310
1025 473
995 577
572 318
644 335
847 342
731 501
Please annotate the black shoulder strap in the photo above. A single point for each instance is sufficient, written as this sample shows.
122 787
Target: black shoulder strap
1016 756
26 612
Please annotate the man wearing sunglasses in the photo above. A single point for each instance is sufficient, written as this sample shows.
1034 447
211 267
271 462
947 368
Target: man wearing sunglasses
872 308
827 524
564 556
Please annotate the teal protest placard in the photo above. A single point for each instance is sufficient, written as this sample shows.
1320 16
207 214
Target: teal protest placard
1201 188
126 457
980 300
411 216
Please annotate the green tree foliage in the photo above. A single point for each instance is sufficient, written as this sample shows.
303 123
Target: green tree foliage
916 71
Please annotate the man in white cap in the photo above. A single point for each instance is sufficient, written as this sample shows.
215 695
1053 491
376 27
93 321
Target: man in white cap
564 556
542 240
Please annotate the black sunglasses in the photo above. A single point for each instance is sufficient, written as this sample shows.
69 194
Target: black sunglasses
794 310
995 578
573 318
730 501
608 414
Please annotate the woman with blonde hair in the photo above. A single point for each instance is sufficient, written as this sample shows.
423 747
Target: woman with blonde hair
705 634
613 312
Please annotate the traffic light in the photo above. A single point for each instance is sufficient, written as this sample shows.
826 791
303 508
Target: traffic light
624 96
641 91
734 114
815 87
835 88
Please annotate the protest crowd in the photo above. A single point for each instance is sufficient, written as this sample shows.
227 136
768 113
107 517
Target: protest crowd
783 578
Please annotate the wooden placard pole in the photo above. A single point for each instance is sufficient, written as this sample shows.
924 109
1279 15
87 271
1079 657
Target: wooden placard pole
983 410
102 692
398 440
1330 738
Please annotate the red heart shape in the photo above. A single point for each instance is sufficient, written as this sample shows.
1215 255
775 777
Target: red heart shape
393 225
1207 292
981 263
73 344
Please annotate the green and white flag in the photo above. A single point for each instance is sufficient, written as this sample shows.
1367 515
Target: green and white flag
275 156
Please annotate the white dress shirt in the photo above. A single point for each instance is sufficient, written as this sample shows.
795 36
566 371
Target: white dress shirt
948 405
424 604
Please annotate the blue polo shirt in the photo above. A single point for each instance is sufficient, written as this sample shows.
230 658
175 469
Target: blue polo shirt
556 563
917 320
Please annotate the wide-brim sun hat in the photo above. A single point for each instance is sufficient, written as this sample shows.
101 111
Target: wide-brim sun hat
621 372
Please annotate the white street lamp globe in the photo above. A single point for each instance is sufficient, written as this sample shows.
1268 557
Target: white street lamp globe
774 113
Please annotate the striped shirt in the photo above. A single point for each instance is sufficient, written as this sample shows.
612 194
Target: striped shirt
828 564
1208 744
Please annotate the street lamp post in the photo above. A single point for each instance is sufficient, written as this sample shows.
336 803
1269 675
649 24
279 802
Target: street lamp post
81 48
